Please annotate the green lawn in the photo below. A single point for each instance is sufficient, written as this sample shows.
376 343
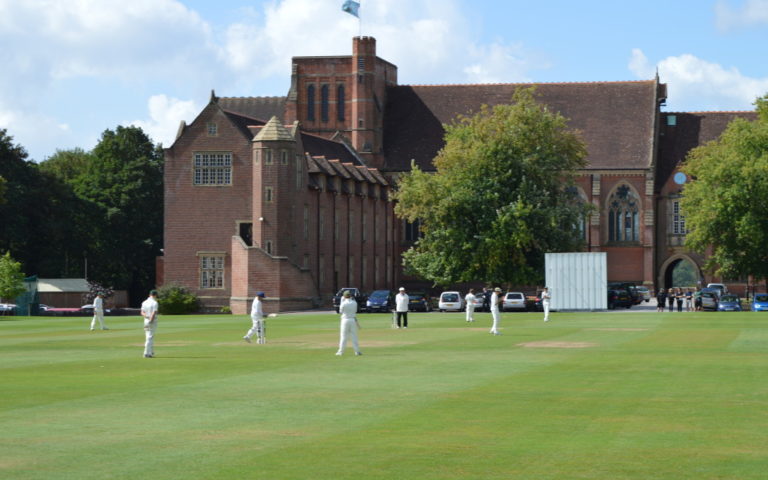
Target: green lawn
594 396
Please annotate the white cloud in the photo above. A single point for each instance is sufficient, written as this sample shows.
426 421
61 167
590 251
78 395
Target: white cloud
165 114
694 83
752 13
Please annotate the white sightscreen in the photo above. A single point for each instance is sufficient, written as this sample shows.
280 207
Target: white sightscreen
577 281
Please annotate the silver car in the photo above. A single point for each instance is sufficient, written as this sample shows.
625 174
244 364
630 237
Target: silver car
513 301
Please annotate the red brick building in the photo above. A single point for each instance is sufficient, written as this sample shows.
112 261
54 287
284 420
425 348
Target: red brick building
291 195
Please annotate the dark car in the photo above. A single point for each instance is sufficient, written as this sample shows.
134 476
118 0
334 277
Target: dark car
618 297
631 289
379 301
533 303
419 302
356 294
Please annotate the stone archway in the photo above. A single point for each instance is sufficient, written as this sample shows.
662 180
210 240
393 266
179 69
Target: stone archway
664 279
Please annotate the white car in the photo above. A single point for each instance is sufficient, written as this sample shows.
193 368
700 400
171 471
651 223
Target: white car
7 308
720 286
513 301
450 301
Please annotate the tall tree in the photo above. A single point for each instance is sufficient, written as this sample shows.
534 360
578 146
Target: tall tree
501 196
11 278
724 205
123 182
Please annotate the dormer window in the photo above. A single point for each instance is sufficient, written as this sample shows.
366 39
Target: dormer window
213 129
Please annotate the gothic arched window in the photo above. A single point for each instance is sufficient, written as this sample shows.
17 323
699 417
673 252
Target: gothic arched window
311 103
623 215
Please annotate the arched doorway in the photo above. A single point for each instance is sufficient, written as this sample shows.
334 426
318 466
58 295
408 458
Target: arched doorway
679 271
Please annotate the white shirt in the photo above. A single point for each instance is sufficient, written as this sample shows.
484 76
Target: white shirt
494 302
401 302
256 312
149 307
98 304
470 299
545 296
348 308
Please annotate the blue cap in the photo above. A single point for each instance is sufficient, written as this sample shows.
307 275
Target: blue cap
260 294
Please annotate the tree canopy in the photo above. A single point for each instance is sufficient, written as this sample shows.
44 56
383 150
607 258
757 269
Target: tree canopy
103 207
501 197
725 204
11 278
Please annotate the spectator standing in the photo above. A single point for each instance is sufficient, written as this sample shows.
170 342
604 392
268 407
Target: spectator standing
680 298
671 299
661 300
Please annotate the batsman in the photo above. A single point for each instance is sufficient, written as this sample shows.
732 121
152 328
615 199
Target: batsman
257 317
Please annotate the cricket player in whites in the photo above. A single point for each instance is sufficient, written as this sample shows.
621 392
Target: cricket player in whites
469 301
495 311
149 310
349 325
98 312
257 317
545 298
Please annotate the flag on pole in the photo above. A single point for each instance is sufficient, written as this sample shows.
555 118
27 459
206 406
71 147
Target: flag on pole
351 7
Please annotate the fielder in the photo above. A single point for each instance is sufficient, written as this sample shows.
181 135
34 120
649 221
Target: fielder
98 312
545 298
469 301
257 318
349 325
149 310
495 311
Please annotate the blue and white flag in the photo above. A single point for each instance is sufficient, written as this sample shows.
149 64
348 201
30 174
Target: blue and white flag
351 7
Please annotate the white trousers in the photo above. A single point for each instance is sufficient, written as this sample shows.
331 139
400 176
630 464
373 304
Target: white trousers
546 310
348 332
97 316
258 330
496 318
149 337
470 313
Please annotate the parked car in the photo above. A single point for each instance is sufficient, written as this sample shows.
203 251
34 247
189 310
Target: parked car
760 302
533 303
450 301
88 309
618 297
43 307
379 301
478 303
419 302
709 299
356 294
719 286
644 292
513 301
729 303
631 289
7 308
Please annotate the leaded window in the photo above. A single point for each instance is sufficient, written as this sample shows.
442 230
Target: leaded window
211 271
624 216
213 168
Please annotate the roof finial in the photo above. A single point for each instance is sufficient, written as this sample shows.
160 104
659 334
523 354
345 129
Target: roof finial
214 99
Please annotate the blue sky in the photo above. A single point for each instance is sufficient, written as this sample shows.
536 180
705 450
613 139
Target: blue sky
73 68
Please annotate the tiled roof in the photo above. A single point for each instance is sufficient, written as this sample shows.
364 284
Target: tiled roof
615 118
262 108
316 145
273 131
691 129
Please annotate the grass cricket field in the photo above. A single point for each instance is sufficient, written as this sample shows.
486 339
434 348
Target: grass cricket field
585 396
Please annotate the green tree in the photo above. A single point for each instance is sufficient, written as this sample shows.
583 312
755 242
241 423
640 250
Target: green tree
2 190
123 184
501 196
66 165
11 278
724 204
